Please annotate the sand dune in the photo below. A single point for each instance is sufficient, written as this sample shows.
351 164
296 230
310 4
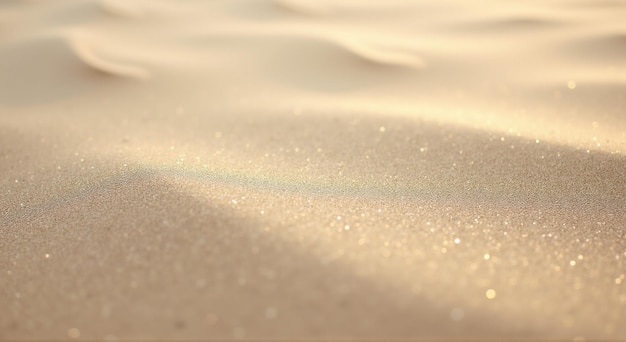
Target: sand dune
292 169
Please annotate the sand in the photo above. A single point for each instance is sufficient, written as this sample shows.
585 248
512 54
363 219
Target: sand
312 169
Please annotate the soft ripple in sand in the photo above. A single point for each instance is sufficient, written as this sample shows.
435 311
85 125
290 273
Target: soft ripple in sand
310 61
86 53
304 7
122 8
382 56
51 58
507 26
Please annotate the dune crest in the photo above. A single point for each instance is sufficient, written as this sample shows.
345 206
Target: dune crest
86 54
380 56
121 8
303 7
61 65
512 24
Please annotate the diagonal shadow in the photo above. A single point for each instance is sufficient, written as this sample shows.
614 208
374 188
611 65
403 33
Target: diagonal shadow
135 254
141 259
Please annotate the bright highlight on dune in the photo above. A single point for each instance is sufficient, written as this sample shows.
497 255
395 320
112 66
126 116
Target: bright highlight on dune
299 169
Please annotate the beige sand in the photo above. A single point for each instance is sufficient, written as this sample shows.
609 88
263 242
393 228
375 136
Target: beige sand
312 169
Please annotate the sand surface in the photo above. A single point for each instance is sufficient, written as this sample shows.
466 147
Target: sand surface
312 169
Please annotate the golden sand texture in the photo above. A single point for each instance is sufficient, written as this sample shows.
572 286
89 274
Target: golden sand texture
297 169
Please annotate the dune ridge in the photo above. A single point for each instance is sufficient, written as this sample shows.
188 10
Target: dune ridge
383 57
121 8
85 52
303 7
